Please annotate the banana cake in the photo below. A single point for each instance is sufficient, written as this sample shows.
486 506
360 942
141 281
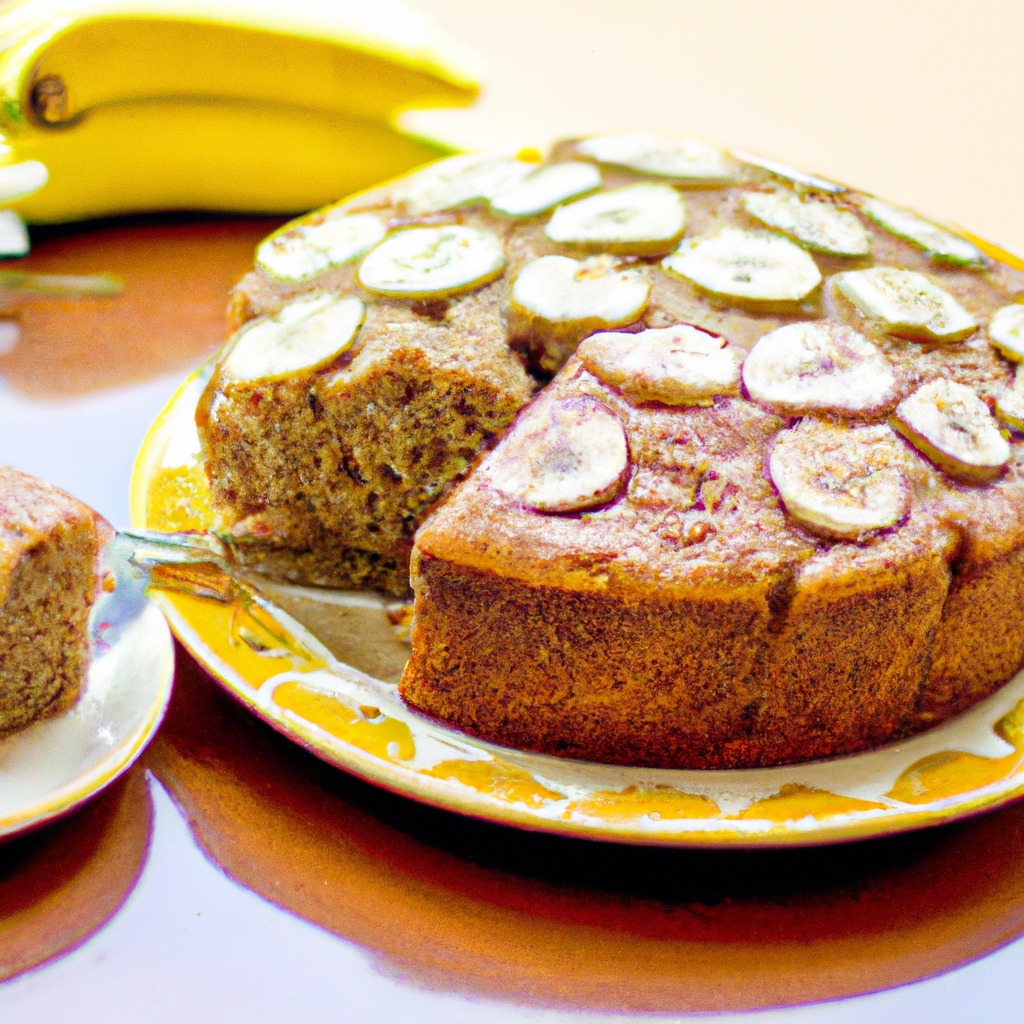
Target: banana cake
48 576
712 463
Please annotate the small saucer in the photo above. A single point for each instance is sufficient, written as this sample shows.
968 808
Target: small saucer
55 764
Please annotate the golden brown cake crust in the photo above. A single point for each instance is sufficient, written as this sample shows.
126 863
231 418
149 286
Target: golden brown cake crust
697 682
49 545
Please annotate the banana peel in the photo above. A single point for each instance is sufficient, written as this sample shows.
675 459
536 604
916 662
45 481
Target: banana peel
119 106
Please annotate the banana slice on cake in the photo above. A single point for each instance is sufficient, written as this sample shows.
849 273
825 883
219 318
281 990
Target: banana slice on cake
687 161
641 219
427 262
818 224
1006 331
906 304
679 365
790 173
593 291
460 181
1009 407
565 456
304 250
936 241
825 367
304 336
842 483
953 427
546 188
758 266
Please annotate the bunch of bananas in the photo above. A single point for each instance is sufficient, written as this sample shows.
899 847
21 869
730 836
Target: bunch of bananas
120 106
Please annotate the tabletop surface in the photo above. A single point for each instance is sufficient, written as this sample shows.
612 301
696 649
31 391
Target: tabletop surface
232 876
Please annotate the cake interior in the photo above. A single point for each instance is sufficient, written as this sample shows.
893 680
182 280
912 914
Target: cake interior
44 649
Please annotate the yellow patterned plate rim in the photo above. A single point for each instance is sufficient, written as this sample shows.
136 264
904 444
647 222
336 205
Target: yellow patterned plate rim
52 766
346 710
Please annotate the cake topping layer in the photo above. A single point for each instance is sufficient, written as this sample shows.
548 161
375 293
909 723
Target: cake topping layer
702 299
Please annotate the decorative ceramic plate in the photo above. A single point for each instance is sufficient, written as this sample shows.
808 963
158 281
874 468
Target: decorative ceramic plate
322 667
56 764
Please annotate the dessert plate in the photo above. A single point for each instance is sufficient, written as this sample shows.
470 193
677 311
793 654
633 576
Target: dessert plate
56 764
322 667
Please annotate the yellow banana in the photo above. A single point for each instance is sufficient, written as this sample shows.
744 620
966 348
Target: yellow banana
166 155
245 105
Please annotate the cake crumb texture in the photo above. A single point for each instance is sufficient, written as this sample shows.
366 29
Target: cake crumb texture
323 477
49 544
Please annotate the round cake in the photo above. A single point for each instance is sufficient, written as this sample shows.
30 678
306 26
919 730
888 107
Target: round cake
699 461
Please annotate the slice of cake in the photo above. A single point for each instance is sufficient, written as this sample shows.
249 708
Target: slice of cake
49 548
